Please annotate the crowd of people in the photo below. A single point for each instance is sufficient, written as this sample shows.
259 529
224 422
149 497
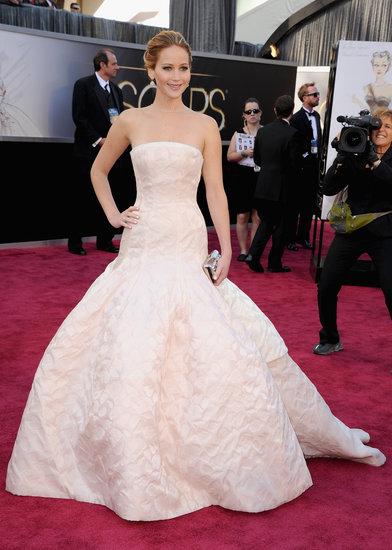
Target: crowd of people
164 391
74 6
282 192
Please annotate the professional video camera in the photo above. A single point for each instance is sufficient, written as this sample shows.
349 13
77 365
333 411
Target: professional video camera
354 140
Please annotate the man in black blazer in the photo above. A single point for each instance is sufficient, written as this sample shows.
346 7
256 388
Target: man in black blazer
276 151
96 103
307 122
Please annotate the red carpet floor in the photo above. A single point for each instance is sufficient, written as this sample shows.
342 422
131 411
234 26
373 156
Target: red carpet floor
349 505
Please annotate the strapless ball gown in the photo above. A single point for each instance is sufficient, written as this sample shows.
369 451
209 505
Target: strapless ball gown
161 394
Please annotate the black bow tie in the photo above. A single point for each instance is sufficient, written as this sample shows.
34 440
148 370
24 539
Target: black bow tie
311 114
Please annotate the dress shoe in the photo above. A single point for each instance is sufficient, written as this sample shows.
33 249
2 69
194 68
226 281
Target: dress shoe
79 250
292 247
305 244
108 247
253 264
241 257
281 269
327 348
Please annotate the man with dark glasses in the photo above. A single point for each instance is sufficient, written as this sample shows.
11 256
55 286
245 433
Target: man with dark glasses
307 122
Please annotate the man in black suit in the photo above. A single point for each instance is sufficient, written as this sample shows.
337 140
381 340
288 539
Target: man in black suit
307 122
96 103
276 151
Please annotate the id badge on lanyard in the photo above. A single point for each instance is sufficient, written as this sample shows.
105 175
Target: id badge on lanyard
113 114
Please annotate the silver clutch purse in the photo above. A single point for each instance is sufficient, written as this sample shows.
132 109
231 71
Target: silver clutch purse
211 263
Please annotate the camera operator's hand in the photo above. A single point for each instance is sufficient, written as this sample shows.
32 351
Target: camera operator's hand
372 156
373 159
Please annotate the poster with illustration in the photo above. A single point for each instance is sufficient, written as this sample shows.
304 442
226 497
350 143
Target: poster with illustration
363 81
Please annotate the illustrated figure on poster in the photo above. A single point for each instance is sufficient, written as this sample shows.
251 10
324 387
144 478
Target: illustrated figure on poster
13 120
377 94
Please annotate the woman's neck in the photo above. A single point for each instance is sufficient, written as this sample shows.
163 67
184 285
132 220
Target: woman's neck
251 129
381 149
167 105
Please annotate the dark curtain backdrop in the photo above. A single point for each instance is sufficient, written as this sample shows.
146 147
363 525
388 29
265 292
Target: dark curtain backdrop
65 22
311 42
247 49
208 26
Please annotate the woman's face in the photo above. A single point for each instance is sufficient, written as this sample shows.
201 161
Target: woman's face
383 136
252 117
380 66
172 71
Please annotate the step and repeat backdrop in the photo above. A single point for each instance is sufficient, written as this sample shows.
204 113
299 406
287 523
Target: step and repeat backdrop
37 73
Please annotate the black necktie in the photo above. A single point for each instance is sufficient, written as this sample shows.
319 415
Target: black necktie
107 91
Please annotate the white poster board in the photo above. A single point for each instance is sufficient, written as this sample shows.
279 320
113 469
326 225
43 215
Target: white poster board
242 143
362 81
36 83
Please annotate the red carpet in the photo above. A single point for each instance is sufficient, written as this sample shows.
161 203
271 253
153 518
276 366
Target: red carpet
349 506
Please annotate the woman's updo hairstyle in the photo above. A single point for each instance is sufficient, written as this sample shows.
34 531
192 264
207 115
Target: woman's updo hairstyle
159 42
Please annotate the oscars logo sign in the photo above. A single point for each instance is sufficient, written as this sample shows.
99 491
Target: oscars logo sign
200 99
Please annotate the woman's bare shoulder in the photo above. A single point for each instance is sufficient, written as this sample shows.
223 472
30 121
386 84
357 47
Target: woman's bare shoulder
206 124
203 119
132 113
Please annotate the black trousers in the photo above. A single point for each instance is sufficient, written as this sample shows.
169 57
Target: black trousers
303 203
342 254
86 216
272 215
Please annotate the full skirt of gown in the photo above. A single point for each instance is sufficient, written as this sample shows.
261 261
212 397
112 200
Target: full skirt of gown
161 393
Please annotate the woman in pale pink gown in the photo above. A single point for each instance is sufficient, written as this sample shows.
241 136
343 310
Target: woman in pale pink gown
162 392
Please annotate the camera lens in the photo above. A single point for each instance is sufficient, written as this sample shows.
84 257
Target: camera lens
354 139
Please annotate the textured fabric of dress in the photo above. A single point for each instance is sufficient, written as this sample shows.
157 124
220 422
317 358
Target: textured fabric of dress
160 393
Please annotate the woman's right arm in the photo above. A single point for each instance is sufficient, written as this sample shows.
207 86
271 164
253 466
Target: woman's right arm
339 174
115 144
232 155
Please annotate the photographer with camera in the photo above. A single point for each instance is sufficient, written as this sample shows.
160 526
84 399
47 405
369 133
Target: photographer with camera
363 165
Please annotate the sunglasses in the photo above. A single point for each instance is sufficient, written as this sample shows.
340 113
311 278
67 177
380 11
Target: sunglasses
252 112
314 94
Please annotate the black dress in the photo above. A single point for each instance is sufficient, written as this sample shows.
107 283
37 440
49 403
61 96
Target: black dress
243 185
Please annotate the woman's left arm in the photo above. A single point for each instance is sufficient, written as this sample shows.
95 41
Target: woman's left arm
216 196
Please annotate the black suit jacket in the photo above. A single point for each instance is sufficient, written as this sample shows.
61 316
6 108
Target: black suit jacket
90 114
301 122
277 152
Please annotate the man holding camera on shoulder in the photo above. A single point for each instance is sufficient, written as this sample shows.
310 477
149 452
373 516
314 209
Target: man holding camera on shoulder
368 178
